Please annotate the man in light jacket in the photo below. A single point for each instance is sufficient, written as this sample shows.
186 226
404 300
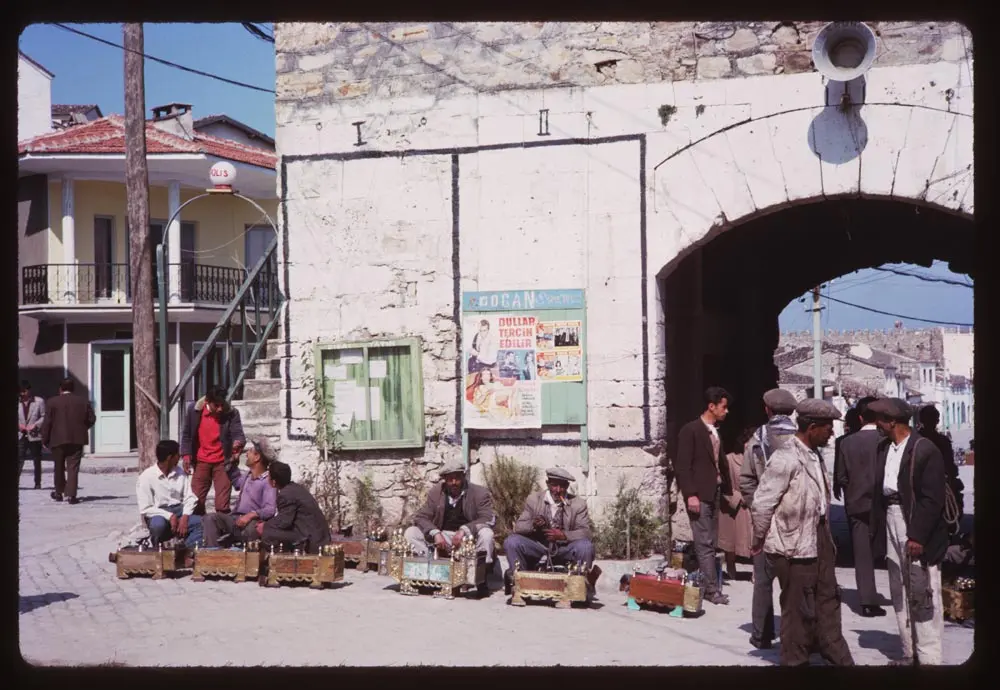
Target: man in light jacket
30 418
791 525
166 502
779 405
552 522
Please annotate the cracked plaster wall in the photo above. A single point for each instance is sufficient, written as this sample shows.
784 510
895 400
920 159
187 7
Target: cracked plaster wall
370 241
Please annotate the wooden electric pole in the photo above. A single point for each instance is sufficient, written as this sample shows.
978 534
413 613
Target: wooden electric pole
140 249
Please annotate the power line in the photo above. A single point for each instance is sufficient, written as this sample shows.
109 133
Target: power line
165 62
929 279
258 32
898 316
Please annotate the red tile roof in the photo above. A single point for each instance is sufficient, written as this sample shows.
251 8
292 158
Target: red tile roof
107 135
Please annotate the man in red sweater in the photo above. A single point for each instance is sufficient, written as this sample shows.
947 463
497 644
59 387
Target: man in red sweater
211 439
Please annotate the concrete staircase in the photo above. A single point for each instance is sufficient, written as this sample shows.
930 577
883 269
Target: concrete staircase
261 406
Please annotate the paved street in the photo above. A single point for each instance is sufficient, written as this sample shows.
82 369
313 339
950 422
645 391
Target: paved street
73 610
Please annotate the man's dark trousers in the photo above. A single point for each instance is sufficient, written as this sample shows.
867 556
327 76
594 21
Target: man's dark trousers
32 449
864 564
67 459
705 530
763 599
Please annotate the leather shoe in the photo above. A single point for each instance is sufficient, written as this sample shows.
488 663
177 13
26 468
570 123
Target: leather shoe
717 598
508 582
760 644
55 496
73 501
872 611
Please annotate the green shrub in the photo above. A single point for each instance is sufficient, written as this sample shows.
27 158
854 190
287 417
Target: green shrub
629 527
367 506
510 483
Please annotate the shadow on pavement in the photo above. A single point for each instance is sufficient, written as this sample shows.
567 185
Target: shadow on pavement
879 640
850 599
37 601
89 499
748 627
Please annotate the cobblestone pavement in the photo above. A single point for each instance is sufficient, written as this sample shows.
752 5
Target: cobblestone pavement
73 610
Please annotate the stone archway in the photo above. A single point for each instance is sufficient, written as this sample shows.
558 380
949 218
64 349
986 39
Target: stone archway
733 213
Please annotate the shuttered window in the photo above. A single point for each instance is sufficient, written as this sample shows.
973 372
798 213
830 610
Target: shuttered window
374 393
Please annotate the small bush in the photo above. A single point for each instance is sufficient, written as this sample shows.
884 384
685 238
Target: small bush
415 488
510 483
630 527
367 506
325 485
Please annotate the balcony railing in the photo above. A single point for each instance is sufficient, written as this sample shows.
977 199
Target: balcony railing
109 284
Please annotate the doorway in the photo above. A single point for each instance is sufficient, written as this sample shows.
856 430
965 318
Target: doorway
112 392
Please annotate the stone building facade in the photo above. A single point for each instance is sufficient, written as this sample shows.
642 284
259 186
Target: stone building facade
422 162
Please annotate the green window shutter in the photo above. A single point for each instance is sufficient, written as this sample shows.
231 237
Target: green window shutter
381 390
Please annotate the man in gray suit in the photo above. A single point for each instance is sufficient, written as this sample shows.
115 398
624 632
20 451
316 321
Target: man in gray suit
30 417
854 478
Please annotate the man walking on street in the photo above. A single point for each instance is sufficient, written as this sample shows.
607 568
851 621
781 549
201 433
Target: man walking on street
703 476
30 418
212 437
66 430
791 524
779 405
909 528
854 478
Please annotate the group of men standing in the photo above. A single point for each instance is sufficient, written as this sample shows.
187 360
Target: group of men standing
895 483
61 424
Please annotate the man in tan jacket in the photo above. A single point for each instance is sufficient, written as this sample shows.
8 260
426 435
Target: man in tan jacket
454 509
791 509
552 523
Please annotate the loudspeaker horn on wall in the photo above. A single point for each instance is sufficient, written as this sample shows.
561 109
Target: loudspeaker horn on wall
844 51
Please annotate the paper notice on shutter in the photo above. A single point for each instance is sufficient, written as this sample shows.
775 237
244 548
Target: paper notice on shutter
376 398
345 405
355 356
377 368
334 372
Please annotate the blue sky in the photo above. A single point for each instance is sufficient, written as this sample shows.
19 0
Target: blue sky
90 72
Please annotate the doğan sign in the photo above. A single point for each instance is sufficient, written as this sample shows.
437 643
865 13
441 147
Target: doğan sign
519 300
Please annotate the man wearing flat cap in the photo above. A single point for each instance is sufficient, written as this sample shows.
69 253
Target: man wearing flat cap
455 508
854 478
791 526
257 501
909 529
779 405
553 523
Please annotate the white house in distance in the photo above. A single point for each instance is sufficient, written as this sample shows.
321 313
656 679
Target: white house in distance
74 301
34 98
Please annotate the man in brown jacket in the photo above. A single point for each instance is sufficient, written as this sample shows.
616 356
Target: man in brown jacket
68 418
791 524
703 476
552 523
454 509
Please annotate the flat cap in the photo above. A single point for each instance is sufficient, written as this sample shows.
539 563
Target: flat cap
263 446
560 474
780 401
813 408
452 467
893 408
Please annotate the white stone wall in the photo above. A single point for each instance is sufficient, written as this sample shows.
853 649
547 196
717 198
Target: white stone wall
370 240
34 100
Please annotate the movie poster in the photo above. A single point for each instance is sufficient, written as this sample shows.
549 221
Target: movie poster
501 376
559 355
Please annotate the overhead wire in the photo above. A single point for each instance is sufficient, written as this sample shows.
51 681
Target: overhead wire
898 316
168 63
929 279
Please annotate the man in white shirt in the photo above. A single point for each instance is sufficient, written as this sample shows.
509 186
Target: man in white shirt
909 528
166 501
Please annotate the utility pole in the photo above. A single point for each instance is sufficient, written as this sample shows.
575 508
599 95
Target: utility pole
817 347
140 248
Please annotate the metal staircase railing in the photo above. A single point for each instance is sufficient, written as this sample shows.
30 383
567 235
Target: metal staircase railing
242 331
